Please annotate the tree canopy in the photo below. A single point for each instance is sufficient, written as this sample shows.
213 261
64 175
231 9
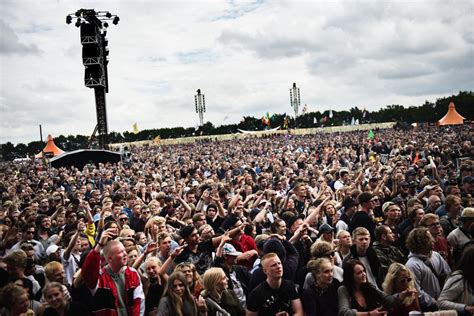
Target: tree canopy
427 112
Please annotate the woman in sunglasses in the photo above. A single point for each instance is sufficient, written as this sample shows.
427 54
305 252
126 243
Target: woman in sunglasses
399 279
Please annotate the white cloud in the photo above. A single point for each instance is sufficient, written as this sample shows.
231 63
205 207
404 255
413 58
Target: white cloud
243 55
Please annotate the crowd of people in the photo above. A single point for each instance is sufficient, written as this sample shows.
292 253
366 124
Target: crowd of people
321 224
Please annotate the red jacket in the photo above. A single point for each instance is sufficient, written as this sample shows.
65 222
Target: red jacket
105 291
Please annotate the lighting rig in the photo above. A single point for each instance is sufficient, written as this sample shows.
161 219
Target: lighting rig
93 30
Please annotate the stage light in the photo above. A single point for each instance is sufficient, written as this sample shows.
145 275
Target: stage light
68 19
116 20
78 23
106 24
108 15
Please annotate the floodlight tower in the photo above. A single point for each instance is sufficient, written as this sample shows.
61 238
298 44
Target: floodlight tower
295 98
93 29
200 103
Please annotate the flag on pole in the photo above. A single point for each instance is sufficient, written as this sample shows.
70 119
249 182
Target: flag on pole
330 114
135 128
364 113
266 119
285 122
370 135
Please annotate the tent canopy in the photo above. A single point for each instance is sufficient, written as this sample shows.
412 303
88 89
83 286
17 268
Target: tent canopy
452 117
79 158
50 150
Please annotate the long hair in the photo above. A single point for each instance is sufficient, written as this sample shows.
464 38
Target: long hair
177 302
57 285
389 282
348 273
466 262
210 279
367 289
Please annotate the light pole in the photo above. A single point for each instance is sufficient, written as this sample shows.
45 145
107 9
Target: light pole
200 103
295 99
93 29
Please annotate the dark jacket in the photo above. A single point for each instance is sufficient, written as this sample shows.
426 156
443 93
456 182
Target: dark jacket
362 219
388 255
229 302
373 262
241 273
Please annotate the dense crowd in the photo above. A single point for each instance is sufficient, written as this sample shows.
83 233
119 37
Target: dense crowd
321 224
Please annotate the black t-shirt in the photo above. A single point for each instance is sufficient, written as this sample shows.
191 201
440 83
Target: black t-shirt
267 301
202 259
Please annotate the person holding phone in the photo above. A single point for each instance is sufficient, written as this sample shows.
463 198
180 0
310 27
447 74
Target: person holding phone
115 283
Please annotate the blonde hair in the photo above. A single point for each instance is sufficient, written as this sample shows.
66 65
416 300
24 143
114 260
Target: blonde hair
389 282
360 231
210 279
314 266
154 220
50 268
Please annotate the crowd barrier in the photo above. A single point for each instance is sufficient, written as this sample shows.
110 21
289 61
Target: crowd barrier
299 131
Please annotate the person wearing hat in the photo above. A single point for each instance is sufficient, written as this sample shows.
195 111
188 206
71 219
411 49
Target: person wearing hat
404 190
238 276
53 253
326 233
462 234
363 218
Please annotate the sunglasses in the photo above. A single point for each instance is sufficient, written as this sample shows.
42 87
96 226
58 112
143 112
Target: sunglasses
123 219
330 254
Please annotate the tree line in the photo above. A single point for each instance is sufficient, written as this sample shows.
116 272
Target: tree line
428 112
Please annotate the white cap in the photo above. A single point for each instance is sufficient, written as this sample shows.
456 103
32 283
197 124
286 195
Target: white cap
51 249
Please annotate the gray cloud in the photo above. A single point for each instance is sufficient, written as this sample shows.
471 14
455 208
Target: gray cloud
11 44
244 56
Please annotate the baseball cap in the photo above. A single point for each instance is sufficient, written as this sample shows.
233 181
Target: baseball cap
51 249
325 228
230 250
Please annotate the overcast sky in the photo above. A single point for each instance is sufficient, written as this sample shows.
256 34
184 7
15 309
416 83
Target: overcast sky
243 55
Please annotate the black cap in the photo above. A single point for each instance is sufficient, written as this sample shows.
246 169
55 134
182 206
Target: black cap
325 228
